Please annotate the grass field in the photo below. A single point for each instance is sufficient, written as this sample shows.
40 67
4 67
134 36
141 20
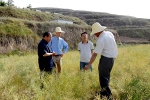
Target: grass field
20 77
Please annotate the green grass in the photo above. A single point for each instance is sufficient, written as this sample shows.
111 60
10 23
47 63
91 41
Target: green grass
20 77
15 29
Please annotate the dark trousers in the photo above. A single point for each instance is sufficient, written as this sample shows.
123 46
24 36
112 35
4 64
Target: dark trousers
105 66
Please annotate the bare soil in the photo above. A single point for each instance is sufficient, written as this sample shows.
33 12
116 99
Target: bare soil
125 39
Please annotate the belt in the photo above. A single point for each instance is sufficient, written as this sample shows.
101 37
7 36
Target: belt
106 57
56 55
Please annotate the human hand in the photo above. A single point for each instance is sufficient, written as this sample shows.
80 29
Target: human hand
54 53
85 68
62 55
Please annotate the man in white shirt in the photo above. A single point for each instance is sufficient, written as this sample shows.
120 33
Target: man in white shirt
107 48
86 50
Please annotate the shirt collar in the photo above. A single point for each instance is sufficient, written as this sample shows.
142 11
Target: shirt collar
57 37
44 41
82 42
101 33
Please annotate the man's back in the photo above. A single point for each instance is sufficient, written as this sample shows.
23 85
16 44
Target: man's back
106 45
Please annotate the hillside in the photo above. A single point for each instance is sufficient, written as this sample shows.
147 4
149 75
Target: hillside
33 15
127 26
22 29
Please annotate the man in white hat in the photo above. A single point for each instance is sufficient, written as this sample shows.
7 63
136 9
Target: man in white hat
107 48
59 46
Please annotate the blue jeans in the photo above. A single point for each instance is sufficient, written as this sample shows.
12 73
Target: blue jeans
83 64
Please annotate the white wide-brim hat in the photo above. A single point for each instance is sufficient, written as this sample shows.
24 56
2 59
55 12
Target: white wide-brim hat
58 29
96 27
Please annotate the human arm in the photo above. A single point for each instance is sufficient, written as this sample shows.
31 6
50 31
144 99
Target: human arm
79 49
91 61
65 47
49 54
92 48
92 51
44 50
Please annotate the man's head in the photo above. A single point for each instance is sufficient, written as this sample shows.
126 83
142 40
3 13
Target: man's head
97 29
58 31
47 36
84 36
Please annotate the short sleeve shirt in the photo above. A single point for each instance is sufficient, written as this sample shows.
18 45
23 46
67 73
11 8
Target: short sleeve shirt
45 63
106 45
85 51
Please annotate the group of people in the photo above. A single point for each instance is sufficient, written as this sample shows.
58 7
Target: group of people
52 49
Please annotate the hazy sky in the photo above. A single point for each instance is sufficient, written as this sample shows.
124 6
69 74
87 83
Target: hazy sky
136 8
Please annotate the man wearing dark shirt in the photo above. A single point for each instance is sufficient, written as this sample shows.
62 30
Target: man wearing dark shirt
45 54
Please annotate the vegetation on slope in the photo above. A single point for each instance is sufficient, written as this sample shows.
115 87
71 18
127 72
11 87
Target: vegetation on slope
36 15
22 29
118 22
110 20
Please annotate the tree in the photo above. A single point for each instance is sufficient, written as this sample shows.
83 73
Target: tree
10 2
29 6
2 3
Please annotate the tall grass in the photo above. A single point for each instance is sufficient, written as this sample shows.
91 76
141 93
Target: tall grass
20 77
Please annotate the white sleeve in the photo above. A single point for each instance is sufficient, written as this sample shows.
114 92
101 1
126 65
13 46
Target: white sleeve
112 35
99 47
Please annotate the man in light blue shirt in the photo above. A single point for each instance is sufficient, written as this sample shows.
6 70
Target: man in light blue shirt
59 46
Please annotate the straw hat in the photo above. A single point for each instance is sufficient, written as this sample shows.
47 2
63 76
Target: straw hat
96 27
58 29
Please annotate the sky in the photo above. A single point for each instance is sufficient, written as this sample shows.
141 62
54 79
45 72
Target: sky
135 8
